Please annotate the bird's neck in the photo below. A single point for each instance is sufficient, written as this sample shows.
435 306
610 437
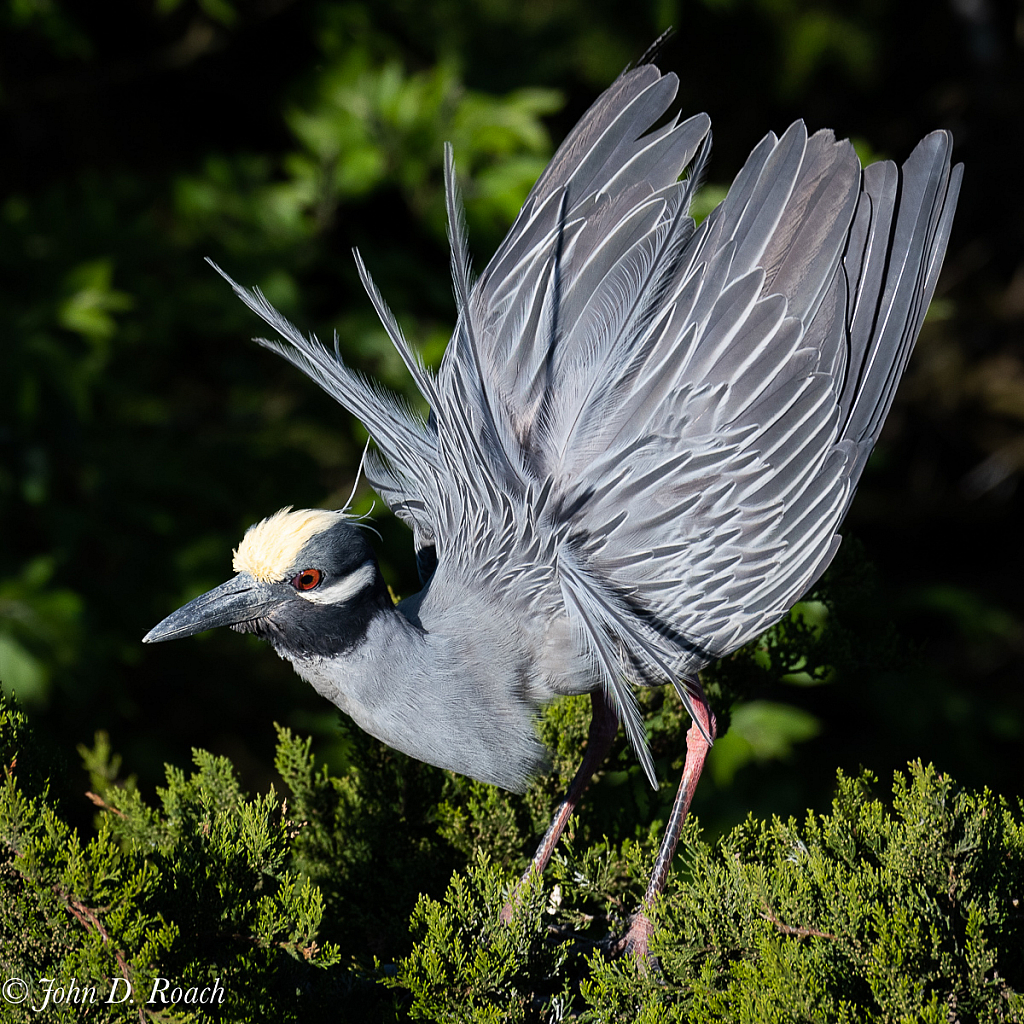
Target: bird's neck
420 691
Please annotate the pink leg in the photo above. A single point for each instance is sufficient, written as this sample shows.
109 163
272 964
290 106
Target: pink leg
635 940
604 723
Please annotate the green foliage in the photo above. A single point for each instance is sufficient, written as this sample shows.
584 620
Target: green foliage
369 125
908 912
374 124
467 965
367 838
197 890
869 913
38 630
90 302
378 883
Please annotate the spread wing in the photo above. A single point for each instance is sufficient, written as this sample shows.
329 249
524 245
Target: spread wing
713 462
679 414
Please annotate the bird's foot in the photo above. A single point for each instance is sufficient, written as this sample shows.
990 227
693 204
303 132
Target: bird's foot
515 896
505 917
634 942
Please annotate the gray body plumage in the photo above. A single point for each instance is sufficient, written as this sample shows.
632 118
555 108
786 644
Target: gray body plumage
644 434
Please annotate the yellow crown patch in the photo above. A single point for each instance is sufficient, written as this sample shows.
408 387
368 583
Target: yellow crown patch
269 548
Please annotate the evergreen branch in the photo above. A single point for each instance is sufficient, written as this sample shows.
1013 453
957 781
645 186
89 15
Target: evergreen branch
88 918
102 804
797 932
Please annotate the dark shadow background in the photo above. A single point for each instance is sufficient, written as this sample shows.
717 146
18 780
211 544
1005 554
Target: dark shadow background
140 432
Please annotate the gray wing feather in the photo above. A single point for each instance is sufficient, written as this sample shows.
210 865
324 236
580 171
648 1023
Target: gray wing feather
422 377
896 268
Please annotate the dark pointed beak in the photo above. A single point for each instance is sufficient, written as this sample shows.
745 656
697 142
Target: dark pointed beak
241 599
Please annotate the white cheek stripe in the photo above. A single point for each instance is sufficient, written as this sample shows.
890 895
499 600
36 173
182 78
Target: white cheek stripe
345 589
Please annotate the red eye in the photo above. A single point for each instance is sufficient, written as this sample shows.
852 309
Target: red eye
307 579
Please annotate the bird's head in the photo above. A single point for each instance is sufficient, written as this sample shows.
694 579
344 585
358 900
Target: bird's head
306 580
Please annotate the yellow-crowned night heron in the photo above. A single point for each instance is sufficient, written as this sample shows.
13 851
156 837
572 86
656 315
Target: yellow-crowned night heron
642 440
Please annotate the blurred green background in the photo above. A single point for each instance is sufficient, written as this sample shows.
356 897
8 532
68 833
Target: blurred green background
141 432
